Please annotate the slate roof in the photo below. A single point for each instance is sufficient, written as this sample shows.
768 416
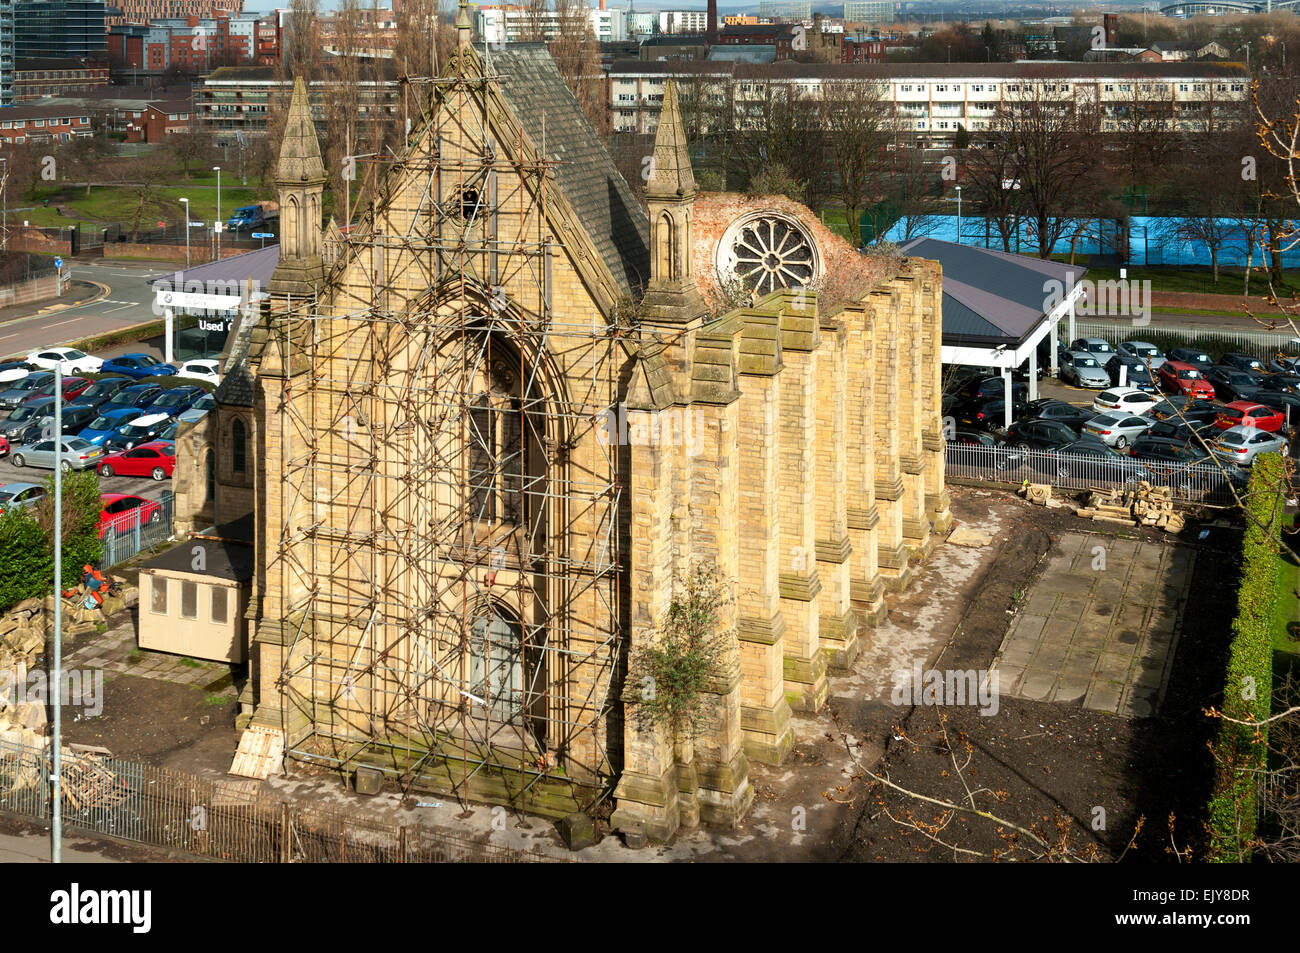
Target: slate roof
991 297
601 197
231 557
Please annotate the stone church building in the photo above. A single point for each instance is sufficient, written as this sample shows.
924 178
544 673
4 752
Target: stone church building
482 438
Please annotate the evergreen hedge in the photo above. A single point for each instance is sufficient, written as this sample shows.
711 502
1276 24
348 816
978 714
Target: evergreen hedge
26 540
1241 752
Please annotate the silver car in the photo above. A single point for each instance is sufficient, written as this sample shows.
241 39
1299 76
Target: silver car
1145 352
14 495
1083 370
1241 445
1117 429
78 454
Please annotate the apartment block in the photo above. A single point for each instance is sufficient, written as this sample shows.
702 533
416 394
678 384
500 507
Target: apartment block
62 28
510 23
51 76
27 124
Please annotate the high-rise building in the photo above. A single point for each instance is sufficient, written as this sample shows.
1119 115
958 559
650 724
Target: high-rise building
62 28
6 53
786 9
142 11
868 11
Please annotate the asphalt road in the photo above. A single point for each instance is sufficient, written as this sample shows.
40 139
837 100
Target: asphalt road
129 302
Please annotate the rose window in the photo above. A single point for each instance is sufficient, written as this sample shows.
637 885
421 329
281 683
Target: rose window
767 251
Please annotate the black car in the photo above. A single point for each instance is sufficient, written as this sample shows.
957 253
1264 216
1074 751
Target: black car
1191 355
1136 374
1283 363
977 449
1242 362
1178 406
137 395
1089 459
1179 463
980 387
1288 383
1049 408
1284 401
1040 434
1171 428
986 413
103 390
1232 383
1168 449
75 418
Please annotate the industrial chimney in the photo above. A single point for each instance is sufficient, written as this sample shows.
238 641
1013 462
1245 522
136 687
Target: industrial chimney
711 35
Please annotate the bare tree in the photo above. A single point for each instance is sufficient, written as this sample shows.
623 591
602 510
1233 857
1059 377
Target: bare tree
301 51
992 180
859 124
577 56
143 178
191 147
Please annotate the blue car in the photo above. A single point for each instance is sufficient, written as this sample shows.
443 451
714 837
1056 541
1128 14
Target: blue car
137 395
176 400
108 423
137 366
103 390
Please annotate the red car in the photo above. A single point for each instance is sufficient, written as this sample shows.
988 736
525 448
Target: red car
4 447
1244 413
1178 377
156 459
124 513
72 388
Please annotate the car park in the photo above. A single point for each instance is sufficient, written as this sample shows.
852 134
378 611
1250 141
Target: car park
14 495
207 402
1180 377
1184 406
1116 429
1082 369
1186 431
1089 459
1126 399
1287 404
1040 434
1286 383
1181 465
103 390
1231 383
1191 355
1049 408
1094 346
137 395
156 459
1144 351
1241 445
73 419
123 512
980 387
986 414
1134 371
68 359
175 400
77 454
20 419
1243 413
72 388
109 422
19 390
1242 362
138 365
206 371
138 431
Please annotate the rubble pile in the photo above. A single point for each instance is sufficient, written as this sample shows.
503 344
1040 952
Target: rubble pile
1143 505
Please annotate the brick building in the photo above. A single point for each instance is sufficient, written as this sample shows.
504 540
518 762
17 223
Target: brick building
452 606
27 124
142 11
51 76
160 120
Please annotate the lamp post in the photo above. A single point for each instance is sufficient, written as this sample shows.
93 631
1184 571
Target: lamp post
185 203
4 201
959 215
217 225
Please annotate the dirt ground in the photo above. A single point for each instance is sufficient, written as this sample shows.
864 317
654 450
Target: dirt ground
1056 764
1057 770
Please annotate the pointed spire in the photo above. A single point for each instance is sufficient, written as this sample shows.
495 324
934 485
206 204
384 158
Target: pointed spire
300 159
670 170
464 26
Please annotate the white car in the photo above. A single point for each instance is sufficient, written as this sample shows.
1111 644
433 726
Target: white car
1241 445
1126 400
201 371
69 359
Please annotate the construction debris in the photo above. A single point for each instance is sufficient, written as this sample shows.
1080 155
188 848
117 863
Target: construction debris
1143 505
1038 493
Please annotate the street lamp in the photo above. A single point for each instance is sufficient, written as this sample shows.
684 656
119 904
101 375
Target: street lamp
217 225
186 204
959 215
4 200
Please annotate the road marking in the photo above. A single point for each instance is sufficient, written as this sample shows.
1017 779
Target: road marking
58 323
125 305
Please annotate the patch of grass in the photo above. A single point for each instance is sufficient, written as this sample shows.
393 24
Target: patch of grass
190 663
134 655
1286 609
1196 280
213 701
101 628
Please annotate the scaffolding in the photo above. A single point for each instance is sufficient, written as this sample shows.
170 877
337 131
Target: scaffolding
447 554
